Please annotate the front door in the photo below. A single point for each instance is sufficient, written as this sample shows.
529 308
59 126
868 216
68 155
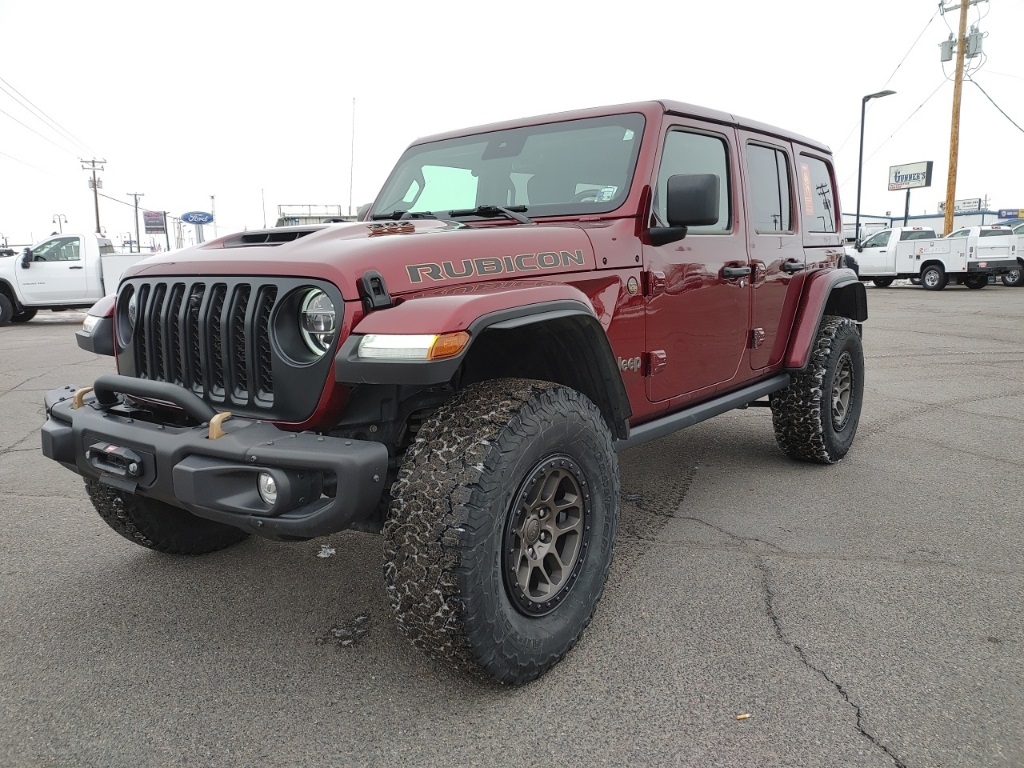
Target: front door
55 272
875 258
698 288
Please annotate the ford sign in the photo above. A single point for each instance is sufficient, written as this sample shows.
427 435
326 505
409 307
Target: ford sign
197 217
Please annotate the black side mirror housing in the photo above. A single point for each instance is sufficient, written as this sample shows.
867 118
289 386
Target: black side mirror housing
692 200
26 258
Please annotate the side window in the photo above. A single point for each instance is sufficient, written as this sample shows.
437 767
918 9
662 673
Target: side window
770 206
58 249
960 233
817 195
687 152
879 239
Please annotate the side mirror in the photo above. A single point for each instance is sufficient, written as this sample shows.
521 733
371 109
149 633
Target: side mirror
26 258
860 247
692 200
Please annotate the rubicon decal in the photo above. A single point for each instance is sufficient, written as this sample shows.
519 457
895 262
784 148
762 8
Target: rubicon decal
495 265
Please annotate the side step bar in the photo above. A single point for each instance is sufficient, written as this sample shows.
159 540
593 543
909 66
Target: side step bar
666 425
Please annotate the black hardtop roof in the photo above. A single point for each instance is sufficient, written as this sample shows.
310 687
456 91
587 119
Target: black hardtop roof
647 108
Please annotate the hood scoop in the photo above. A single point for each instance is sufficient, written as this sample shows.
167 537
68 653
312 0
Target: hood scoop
270 237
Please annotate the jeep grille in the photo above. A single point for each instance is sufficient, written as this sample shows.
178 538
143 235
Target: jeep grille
214 337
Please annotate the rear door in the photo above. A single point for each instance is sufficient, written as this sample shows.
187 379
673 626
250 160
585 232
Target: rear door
776 251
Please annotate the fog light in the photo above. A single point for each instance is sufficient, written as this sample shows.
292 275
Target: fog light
267 487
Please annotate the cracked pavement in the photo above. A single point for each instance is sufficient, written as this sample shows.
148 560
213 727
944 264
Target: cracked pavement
865 614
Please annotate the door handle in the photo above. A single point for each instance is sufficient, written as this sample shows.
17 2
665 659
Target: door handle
74 267
793 266
728 272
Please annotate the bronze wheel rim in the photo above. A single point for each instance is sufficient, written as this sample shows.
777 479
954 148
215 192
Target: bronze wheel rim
842 392
547 535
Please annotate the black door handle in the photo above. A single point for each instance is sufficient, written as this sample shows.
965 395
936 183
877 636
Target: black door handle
735 271
793 266
74 267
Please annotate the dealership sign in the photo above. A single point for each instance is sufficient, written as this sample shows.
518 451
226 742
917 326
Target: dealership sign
910 176
963 206
154 221
1011 213
197 217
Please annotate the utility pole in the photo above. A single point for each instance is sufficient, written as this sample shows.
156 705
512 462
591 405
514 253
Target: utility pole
213 213
958 83
167 232
138 242
352 157
94 165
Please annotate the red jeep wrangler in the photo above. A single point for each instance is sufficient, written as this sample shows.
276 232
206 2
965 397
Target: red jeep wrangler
459 369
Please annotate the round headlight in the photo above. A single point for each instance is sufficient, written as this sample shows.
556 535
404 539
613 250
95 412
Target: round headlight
316 321
133 309
127 315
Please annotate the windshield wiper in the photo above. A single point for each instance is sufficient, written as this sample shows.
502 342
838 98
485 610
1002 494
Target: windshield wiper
400 215
514 212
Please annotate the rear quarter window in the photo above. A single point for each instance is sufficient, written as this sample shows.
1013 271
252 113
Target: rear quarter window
817 197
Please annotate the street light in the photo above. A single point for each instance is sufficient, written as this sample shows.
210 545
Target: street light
60 220
860 157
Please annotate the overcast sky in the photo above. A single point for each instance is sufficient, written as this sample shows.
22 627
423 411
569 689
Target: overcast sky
191 99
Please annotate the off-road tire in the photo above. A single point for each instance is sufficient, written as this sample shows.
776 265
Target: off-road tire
934 278
816 416
975 282
1014 278
159 526
459 526
882 282
24 316
6 310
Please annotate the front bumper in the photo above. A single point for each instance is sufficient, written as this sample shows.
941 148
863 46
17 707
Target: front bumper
214 477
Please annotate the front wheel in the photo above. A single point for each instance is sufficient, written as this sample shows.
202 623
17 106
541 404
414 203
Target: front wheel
933 277
24 316
6 310
816 416
882 282
159 526
502 526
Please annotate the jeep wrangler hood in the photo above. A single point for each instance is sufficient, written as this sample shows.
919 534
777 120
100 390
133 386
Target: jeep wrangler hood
410 255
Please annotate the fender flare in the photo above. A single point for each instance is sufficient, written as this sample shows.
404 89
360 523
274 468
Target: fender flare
826 292
479 313
8 290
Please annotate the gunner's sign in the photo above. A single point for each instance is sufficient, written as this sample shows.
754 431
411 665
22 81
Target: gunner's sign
910 175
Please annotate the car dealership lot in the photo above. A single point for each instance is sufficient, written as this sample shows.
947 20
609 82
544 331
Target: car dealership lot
866 614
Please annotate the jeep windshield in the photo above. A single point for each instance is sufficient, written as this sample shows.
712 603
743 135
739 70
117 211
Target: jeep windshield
573 168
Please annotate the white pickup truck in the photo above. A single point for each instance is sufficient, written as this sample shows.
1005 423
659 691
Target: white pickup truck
966 256
62 272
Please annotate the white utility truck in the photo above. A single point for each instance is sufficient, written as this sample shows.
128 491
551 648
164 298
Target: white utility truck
966 256
64 271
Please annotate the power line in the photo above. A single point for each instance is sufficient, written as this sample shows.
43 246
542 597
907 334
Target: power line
898 128
905 57
24 101
996 105
37 133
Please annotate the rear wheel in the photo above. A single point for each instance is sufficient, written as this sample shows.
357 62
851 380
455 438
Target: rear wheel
502 526
816 416
976 281
933 277
24 316
882 282
1014 278
159 526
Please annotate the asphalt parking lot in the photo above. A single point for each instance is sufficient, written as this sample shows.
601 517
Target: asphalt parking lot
865 614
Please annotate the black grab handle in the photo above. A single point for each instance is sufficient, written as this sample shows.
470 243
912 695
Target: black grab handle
107 387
